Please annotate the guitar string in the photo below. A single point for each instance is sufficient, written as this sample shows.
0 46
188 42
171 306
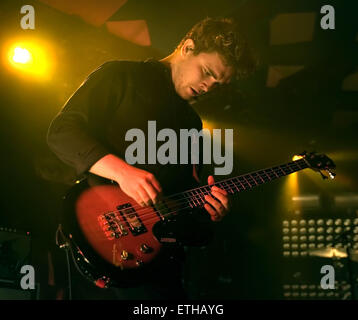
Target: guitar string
154 218
198 197
293 163
153 211
178 204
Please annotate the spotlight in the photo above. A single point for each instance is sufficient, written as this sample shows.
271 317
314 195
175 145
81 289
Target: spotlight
21 55
296 157
30 58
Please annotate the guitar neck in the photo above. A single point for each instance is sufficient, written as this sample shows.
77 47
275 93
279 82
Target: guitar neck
195 197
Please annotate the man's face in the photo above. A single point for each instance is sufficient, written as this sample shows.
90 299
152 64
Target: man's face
196 75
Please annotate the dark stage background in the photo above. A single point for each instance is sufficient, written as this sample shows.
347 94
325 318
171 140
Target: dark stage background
304 96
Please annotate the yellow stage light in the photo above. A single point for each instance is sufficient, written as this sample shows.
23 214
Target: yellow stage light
296 157
21 55
32 58
208 125
290 189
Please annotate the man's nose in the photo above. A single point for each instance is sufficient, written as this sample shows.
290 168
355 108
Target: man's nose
203 89
207 86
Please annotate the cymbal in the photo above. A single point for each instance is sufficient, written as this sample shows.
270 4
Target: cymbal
330 252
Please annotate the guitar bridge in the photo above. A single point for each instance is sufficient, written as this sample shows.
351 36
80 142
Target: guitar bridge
112 225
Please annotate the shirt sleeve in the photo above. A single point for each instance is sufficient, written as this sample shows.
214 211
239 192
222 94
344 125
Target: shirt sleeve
74 134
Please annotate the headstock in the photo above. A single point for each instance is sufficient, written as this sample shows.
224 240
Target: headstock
319 162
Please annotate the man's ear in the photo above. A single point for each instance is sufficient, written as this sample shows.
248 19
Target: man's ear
187 47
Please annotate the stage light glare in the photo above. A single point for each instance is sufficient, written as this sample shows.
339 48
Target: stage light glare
30 58
296 157
21 55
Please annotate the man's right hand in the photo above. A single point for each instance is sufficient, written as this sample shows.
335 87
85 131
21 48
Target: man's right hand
138 184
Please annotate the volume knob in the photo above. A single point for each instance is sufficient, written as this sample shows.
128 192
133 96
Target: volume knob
125 255
145 248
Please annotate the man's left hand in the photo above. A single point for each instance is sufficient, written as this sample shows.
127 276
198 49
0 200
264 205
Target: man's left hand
218 207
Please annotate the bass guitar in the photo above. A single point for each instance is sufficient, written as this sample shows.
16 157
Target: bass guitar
112 238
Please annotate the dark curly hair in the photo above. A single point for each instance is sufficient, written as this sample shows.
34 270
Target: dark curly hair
221 35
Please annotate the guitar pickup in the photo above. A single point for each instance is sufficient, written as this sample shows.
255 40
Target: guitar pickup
134 223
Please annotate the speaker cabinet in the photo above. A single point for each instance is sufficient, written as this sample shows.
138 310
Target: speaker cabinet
15 252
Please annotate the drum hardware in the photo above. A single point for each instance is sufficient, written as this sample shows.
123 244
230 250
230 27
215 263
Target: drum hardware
336 254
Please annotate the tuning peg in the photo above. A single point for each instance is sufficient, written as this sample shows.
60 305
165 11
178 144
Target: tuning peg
331 174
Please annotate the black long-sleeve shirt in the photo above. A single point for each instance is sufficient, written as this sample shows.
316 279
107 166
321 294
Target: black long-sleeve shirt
116 97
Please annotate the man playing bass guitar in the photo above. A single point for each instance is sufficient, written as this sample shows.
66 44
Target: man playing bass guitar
88 133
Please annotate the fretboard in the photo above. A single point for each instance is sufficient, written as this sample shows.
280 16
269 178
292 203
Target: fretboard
195 197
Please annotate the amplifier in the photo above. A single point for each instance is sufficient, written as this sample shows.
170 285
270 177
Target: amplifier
16 294
15 252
